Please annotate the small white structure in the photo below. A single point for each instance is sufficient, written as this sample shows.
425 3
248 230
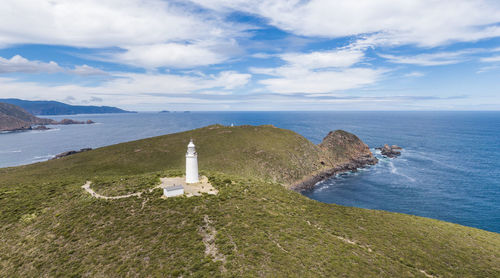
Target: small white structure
173 191
191 164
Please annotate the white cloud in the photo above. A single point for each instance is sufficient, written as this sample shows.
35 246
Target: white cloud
127 88
324 59
86 70
153 33
422 22
319 72
414 74
491 59
96 23
20 64
169 55
430 59
323 82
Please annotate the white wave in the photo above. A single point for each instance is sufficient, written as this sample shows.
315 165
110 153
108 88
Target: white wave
42 158
433 158
395 171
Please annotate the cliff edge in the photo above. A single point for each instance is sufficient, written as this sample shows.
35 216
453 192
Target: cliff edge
340 151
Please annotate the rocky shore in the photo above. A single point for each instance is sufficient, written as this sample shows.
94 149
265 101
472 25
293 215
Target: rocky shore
68 153
342 152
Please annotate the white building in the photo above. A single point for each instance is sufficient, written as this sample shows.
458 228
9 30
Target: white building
191 164
173 191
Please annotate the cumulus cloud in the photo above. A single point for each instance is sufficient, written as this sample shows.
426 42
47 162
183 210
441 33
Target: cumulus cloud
20 64
421 22
86 70
95 23
152 33
319 72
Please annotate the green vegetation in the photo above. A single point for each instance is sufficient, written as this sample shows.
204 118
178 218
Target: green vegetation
51 227
124 185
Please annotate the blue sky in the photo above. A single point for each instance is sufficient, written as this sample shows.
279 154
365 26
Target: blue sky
253 55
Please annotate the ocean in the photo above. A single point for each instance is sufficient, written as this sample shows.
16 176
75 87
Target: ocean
449 168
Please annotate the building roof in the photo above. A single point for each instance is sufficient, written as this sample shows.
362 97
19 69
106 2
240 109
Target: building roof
172 188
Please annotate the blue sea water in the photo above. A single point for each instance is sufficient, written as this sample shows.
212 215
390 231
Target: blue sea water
449 169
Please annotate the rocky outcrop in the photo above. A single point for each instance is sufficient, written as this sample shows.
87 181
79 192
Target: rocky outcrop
390 151
40 127
73 122
341 151
68 153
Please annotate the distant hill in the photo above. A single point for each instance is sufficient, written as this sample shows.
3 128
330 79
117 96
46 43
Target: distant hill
42 107
13 117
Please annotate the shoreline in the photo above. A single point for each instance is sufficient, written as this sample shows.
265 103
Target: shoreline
310 181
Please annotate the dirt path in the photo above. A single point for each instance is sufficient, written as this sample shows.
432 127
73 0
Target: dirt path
87 188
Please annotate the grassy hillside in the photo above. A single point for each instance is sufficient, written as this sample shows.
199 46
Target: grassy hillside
254 227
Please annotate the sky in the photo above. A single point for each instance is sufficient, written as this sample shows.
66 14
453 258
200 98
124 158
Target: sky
151 55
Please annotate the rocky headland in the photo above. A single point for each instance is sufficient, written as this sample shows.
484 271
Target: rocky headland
341 151
15 118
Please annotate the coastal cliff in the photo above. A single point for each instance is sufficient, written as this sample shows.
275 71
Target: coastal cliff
340 151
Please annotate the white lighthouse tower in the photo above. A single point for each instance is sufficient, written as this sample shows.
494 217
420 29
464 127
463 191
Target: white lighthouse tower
191 164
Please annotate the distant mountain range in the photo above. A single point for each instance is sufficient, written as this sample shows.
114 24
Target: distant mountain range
42 107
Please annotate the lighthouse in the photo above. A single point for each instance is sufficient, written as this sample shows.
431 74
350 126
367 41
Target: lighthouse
191 164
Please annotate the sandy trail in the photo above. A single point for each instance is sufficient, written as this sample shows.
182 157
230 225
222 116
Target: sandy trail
87 188
190 190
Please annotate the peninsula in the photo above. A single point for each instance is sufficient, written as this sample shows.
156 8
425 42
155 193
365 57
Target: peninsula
254 226
14 118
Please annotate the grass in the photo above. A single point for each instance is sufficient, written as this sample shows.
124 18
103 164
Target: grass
124 185
51 227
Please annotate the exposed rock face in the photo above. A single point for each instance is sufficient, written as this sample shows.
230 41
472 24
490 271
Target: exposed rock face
341 152
68 153
390 151
341 147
